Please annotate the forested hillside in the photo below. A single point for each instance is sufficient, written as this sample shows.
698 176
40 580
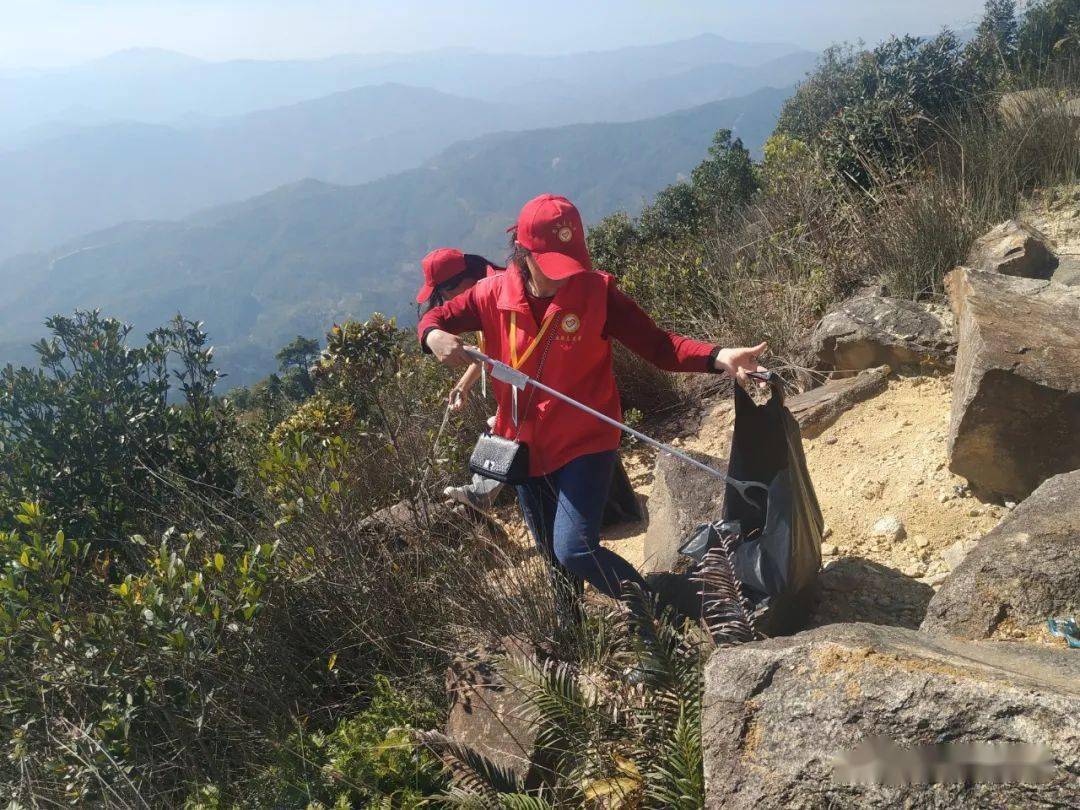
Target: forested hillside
305 256
89 178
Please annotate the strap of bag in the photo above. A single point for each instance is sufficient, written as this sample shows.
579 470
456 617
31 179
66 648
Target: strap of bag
539 369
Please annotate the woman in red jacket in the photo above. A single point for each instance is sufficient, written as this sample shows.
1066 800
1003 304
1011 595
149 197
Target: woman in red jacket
552 316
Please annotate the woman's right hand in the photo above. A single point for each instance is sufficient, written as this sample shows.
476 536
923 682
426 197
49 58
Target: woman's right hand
447 348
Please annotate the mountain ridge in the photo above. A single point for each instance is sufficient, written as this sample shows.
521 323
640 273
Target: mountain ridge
298 258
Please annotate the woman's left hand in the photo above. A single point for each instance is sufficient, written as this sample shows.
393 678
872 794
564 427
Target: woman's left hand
737 362
459 395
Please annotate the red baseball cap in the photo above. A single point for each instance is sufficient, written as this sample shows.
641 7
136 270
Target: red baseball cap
439 266
550 228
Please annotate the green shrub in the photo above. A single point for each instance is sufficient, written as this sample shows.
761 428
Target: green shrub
92 432
718 187
120 686
367 760
864 109
1048 38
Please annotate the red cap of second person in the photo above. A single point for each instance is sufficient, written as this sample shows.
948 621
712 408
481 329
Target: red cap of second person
550 228
439 266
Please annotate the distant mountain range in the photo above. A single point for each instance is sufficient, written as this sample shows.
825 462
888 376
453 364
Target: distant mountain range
166 150
156 86
305 255
86 178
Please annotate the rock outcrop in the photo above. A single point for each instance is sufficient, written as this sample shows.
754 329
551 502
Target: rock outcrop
1021 573
873 330
1019 107
1016 390
682 497
852 589
778 713
409 522
817 409
1014 248
488 714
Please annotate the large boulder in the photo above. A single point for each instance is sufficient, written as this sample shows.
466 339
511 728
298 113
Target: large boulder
1016 389
873 330
1021 573
682 497
778 713
488 714
815 410
852 589
1014 248
1020 107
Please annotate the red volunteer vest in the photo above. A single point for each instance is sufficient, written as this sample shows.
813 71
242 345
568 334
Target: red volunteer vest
578 364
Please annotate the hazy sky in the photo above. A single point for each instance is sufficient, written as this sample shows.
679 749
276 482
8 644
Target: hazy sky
53 32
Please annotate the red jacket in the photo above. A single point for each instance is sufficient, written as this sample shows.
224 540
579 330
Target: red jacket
586 312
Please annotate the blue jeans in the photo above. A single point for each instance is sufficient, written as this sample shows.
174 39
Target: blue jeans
563 510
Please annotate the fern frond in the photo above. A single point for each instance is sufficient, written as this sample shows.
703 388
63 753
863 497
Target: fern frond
726 611
472 773
676 777
667 658
565 717
523 801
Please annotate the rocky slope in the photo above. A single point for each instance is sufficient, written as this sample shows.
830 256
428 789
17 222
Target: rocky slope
931 621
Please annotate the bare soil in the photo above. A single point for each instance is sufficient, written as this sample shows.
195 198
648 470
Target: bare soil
884 458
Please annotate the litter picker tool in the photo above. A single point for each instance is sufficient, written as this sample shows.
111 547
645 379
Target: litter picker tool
519 380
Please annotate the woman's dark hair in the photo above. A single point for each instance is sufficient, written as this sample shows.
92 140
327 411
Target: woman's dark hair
476 268
518 256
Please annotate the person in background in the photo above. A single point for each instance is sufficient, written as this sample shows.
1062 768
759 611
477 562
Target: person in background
447 274
550 314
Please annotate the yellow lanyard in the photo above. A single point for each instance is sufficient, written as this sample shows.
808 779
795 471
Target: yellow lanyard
518 362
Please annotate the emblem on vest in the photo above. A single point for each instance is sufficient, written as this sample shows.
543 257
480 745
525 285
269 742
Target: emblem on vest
571 323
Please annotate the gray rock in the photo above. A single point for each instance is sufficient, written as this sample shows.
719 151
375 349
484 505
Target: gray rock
411 522
818 408
873 330
1068 271
1016 391
682 498
889 528
955 554
488 713
852 589
1014 248
1019 106
1021 573
778 713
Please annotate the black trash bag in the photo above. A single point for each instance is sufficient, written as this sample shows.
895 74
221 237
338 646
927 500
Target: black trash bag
774 544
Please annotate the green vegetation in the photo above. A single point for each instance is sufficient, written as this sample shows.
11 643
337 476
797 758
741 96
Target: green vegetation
210 605
884 166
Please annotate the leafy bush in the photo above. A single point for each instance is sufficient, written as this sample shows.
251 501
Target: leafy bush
367 760
92 431
863 109
1048 38
114 688
719 186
